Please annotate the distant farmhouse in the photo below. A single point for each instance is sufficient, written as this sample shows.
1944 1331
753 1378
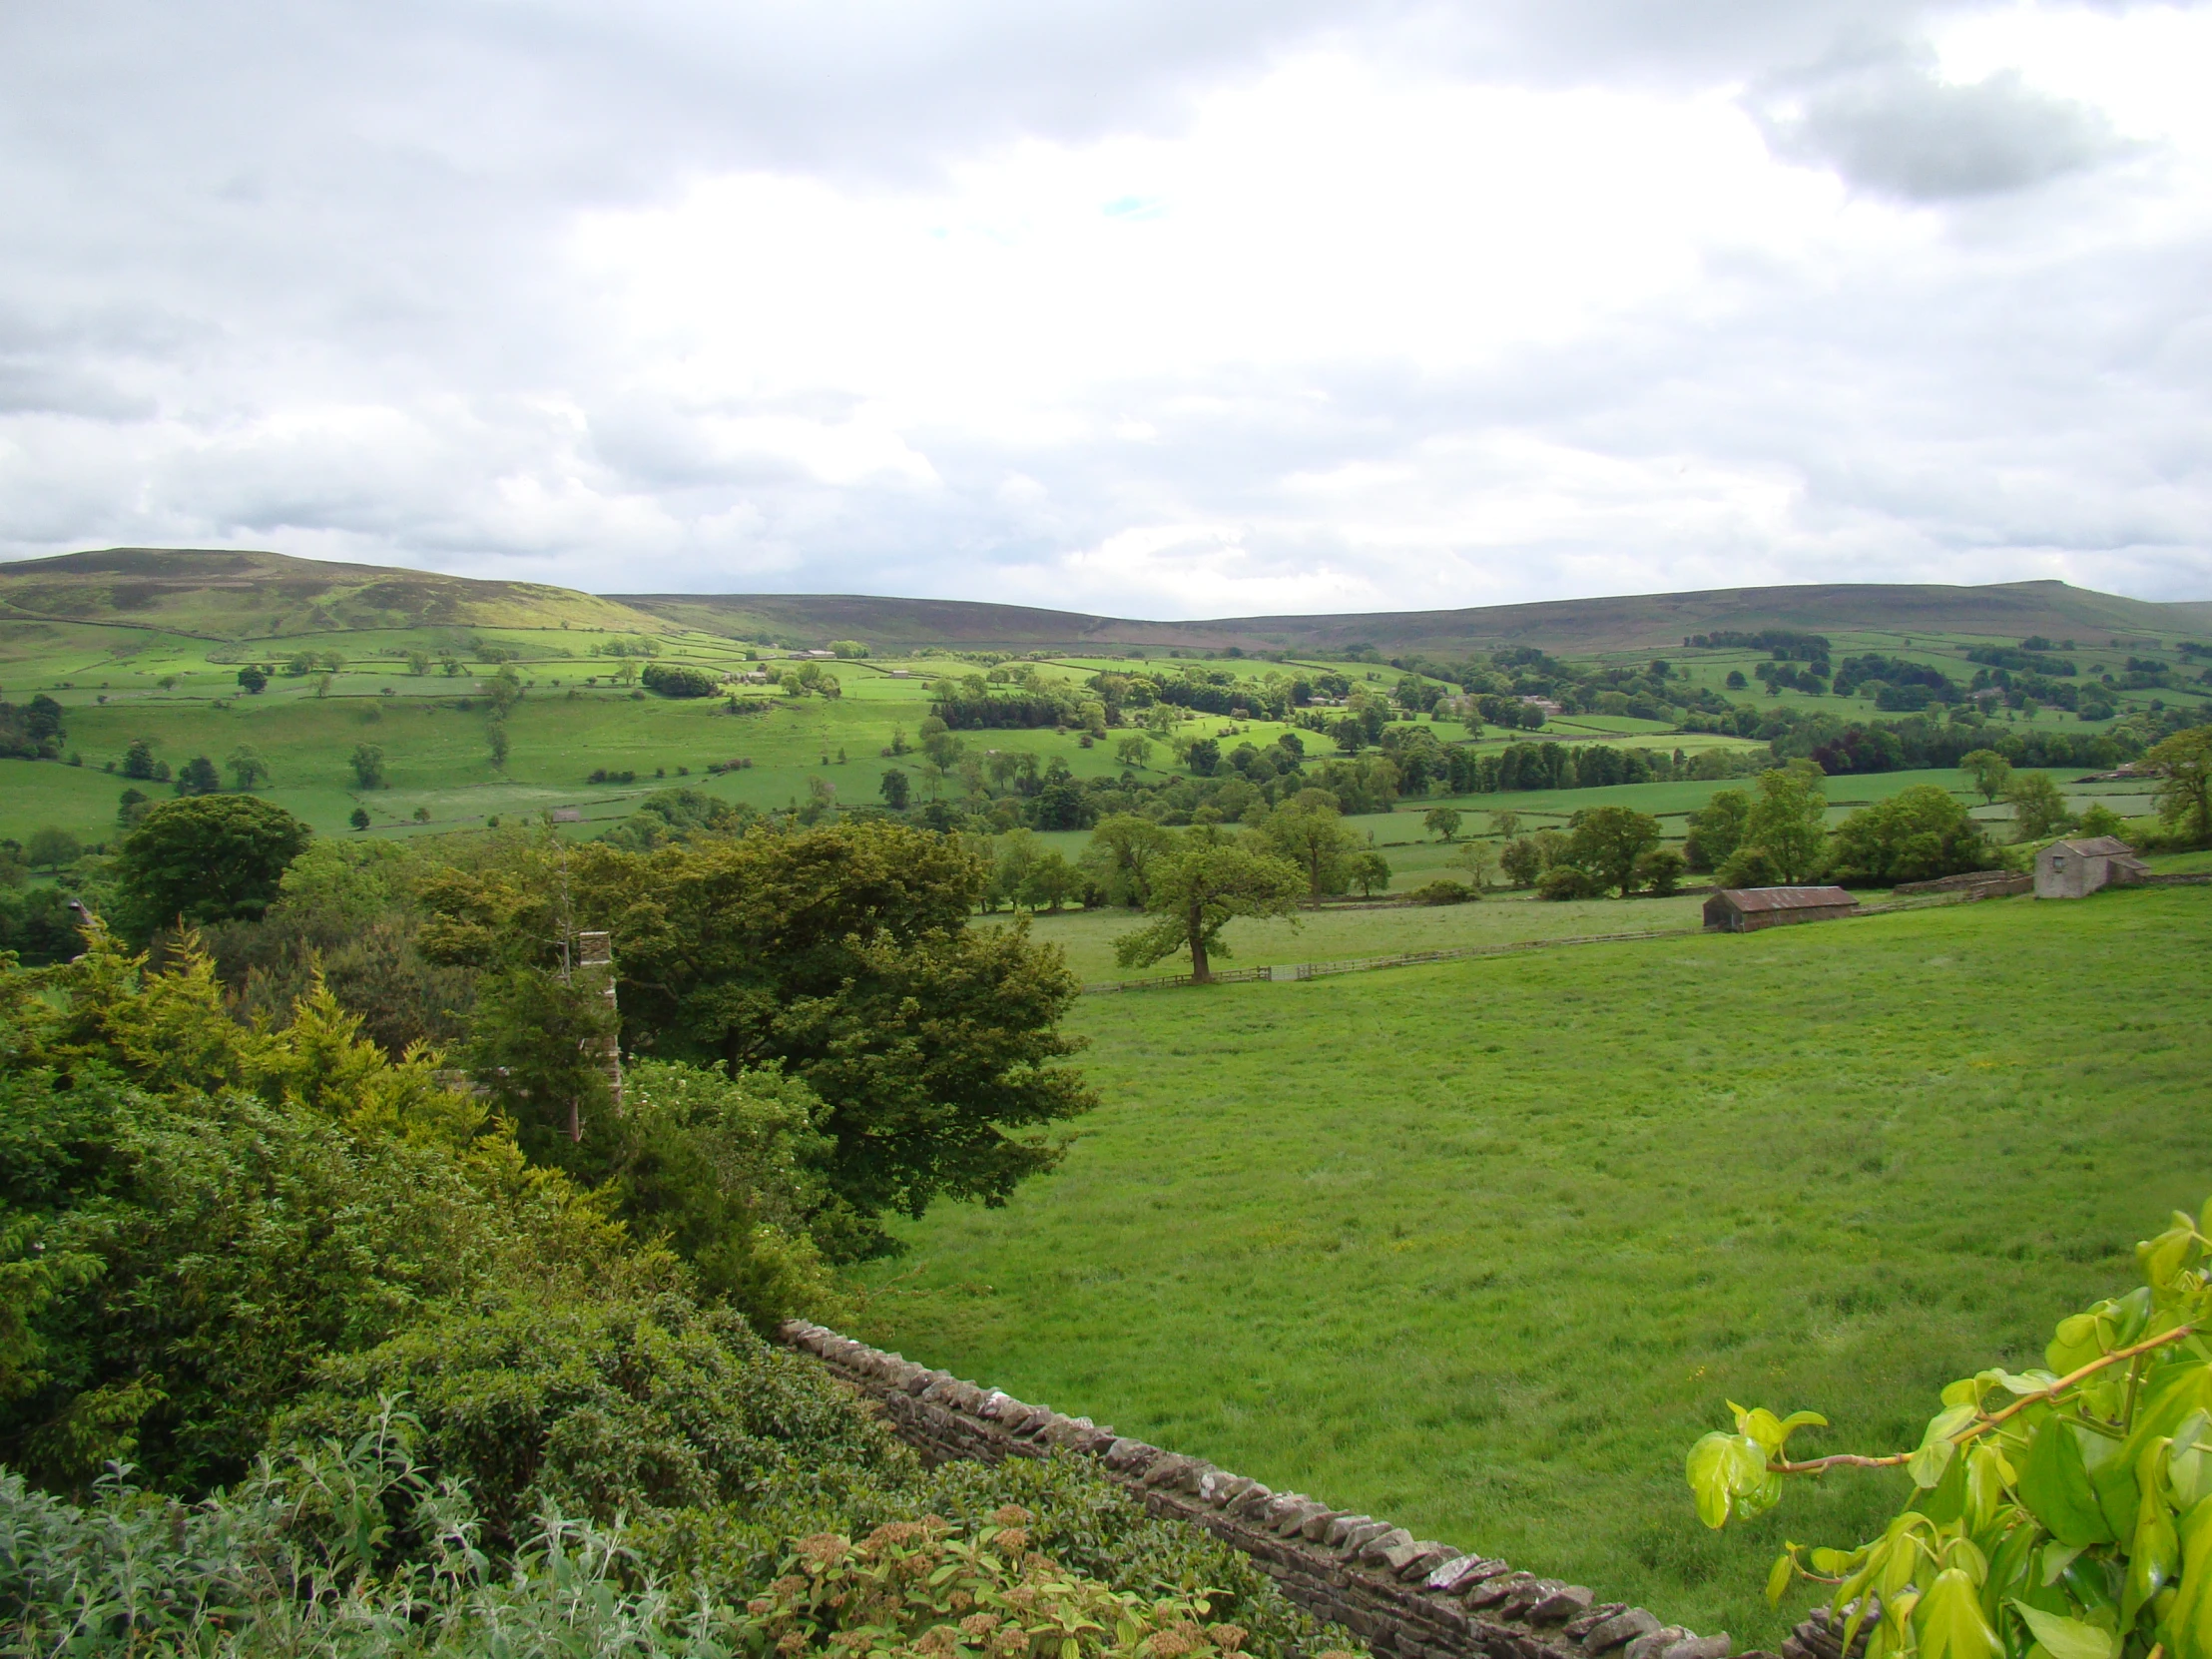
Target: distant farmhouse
2075 870
1747 909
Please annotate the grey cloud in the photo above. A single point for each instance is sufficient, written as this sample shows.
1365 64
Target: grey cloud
1887 122
238 210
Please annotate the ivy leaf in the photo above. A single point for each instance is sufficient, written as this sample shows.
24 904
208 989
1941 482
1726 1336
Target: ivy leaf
2066 1638
2054 1485
1951 1623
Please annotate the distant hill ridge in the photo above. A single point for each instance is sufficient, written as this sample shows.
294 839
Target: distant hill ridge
238 595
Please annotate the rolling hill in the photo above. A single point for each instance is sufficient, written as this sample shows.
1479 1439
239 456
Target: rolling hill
2010 610
228 595
254 595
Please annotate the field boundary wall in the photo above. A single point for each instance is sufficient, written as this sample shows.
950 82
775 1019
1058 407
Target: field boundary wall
1407 1597
1464 952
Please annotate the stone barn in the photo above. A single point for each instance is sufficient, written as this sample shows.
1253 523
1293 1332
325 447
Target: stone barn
2075 870
1747 909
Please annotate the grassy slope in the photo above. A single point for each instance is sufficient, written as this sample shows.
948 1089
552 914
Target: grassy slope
226 594
1483 1247
1646 621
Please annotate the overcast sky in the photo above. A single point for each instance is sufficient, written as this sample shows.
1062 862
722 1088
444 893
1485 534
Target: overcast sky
1163 308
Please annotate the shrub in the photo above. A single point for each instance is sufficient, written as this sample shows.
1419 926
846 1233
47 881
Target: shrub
1659 871
1564 882
1444 890
2100 819
914 1589
602 1407
678 680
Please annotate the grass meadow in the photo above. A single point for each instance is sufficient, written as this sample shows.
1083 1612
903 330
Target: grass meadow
1483 1247
1332 933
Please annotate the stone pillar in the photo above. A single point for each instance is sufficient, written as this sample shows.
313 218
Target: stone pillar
595 970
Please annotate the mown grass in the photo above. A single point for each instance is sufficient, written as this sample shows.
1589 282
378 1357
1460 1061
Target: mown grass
1483 1247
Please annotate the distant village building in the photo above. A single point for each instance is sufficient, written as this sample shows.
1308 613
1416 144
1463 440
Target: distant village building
1546 705
2075 870
1747 909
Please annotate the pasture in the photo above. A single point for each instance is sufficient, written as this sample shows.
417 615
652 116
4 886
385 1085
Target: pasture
1483 1247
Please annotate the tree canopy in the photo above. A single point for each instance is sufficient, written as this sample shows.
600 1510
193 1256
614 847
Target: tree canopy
841 955
1916 835
206 858
1199 887
2184 765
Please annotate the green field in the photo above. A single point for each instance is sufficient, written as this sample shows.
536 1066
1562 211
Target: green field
1334 933
1483 1247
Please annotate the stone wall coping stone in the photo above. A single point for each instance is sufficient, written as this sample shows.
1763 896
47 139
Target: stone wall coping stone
1621 1628
1565 1603
1407 1597
1495 1590
1654 1643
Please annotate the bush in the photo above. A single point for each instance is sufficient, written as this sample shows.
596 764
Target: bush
903 1584
1444 890
1659 871
603 1407
1918 835
1564 882
678 680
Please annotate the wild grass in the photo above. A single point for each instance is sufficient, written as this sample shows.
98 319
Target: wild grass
1332 933
1483 1247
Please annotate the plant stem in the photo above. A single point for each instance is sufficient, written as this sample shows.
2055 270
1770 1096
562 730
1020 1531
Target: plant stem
1850 1459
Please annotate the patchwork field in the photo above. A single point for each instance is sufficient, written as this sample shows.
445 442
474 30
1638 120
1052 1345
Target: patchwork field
1483 1247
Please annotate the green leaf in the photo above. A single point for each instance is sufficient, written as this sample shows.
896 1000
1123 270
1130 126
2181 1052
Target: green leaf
2151 1560
2054 1485
2112 1478
1728 1475
1947 1501
1984 1485
2066 1638
2164 1257
2057 1560
2190 1619
1830 1561
1936 1446
2077 1342
1951 1623
1778 1578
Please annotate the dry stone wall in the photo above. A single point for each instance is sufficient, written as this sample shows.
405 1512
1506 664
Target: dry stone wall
1407 1597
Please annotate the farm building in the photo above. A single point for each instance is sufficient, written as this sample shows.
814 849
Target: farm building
2075 870
1747 909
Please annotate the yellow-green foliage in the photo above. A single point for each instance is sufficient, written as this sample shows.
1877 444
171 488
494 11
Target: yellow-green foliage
920 1590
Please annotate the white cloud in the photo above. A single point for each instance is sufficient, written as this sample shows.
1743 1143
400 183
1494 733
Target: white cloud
1142 309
